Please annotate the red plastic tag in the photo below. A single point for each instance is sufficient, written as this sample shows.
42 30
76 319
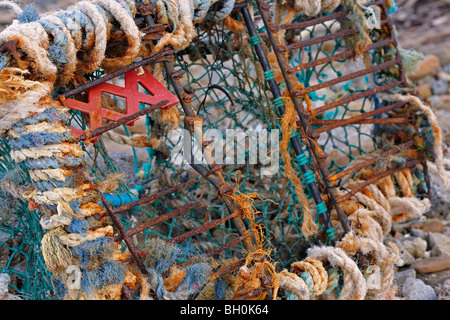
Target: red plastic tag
156 93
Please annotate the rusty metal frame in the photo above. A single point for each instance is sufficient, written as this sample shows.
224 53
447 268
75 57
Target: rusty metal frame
307 119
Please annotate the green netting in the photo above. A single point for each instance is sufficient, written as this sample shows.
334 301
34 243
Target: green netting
20 240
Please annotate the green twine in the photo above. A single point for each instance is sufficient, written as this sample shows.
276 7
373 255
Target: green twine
279 102
331 234
254 40
301 159
309 177
269 75
321 208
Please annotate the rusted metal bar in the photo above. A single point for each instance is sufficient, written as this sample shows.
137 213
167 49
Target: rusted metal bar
339 123
227 269
352 192
276 92
357 96
347 77
313 22
249 295
229 244
121 121
202 228
359 117
119 226
216 274
339 56
215 178
156 28
150 223
312 41
153 197
371 161
152 59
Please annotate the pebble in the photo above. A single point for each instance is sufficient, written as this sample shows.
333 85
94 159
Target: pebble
440 102
446 68
439 86
438 243
415 246
401 276
418 233
4 294
405 256
424 91
406 226
433 225
398 235
433 264
444 290
415 289
427 66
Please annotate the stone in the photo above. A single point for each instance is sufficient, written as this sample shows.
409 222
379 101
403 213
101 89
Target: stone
439 244
427 66
441 102
444 290
4 282
439 86
417 233
424 91
433 225
415 246
406 226
447 232
440 206
406 257
433 264
435 278
443 74
415 289
398 235
401 276
443 117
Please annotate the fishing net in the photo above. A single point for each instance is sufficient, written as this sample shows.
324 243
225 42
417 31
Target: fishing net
229 91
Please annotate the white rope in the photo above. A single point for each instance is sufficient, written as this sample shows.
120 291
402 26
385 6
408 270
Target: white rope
93 59
53 150
354 283
131 30
66 74
11 7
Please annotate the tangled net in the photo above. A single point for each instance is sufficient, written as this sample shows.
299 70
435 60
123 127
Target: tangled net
54 219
